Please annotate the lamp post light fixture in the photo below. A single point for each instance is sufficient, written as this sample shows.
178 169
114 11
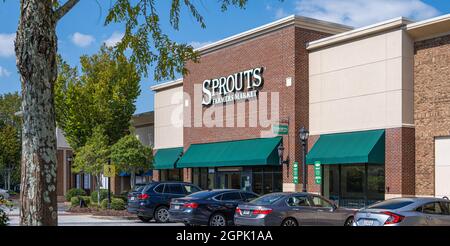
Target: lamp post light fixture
280 154
304 135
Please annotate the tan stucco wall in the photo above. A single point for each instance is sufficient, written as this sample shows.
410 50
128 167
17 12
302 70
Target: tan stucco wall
169 118
362 84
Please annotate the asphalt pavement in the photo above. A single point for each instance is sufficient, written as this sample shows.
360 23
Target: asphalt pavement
70 219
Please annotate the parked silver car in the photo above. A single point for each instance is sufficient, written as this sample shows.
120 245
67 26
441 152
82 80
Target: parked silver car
406 212
292 209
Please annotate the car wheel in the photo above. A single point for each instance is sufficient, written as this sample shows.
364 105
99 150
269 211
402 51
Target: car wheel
162 214
289 222
217 220
144 219
349 221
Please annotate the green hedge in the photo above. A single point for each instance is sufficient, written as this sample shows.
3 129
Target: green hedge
122 197
3 218
87 200
103 195
118 204
74 192
104 203
75 201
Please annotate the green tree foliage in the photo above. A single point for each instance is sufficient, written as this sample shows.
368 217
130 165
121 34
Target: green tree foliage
147 41
104 95
93 155
130 155
10 139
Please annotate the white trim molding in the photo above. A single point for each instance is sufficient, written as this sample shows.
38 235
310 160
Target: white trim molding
169 84
384 26
293 20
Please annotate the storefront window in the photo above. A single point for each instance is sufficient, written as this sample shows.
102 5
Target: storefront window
354 185
375 183
171 175
267 180
261 180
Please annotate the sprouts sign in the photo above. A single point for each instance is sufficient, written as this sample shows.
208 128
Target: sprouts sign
234 87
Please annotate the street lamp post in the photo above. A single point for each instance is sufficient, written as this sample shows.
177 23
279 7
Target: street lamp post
304 135
109 187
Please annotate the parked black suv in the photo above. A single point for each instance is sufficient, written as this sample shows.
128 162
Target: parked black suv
154 201
133 201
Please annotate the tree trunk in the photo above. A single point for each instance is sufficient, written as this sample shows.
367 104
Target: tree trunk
36 46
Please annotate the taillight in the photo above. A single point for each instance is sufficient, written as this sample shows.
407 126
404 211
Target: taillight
393 218
191 205
143 196
238 210
262 211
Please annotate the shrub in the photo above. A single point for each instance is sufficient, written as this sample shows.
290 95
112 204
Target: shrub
75 201
103 195
104 203
122 197
74 192
118 204
87 199
3 218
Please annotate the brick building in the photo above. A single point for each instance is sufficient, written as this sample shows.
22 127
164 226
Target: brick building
364 94
66 179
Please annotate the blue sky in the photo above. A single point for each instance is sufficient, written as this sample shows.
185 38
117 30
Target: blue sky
82 30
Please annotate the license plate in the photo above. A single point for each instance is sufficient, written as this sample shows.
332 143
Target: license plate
367 222
132 198
176 206
245 212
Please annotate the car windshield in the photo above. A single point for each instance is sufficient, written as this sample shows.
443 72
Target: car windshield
202 194
391 204
267 199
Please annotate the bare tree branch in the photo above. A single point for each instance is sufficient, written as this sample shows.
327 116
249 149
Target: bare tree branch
64 9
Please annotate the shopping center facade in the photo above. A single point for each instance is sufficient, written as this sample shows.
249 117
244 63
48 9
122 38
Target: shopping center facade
374 99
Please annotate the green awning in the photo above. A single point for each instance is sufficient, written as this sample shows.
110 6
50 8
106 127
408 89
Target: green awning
166 158
349 148
251 152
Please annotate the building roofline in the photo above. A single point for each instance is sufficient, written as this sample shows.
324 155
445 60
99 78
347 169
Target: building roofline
429 28
293 20
168 84
360 32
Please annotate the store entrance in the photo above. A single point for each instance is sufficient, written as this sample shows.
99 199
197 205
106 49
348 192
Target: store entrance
229 180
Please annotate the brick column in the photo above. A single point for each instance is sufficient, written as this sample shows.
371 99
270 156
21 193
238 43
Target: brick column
312 186
400 162
155 175
187 176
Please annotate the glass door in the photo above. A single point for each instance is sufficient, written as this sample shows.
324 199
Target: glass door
229 180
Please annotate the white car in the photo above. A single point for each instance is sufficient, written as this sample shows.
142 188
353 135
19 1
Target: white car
4 194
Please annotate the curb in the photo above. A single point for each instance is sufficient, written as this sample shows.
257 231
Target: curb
113 217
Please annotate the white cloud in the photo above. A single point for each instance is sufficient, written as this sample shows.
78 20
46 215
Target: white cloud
4 72
364 12
197 45
280 13
7 44
115 38
82 40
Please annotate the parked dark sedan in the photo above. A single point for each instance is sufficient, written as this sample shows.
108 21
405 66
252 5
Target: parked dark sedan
292 209
133 201
154 200
213 208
